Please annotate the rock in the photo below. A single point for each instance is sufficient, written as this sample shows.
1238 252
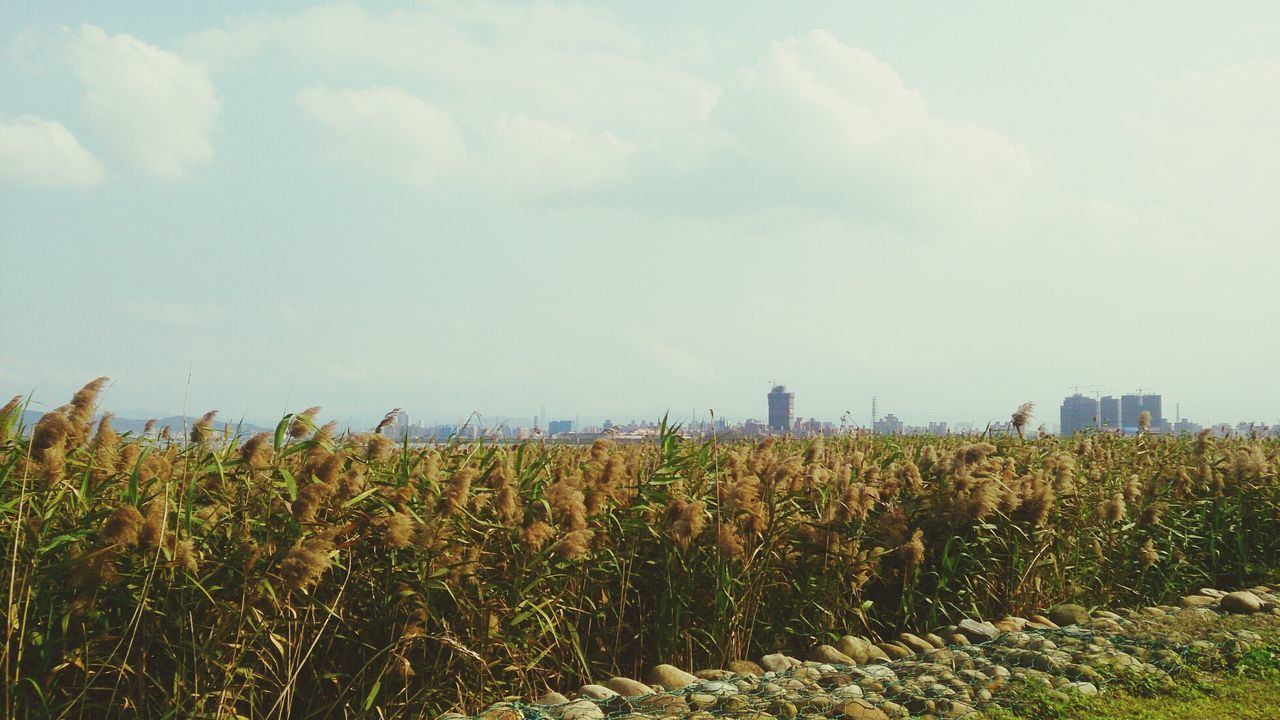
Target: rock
862 710
895 651
580 710
596 692
1197 601
977 631
501 712
776 662
935 641
915 643
1045 621
1210 592
1019 624
1069 614
862 650
958 639
894 710
670 677
712 674
551 697
1243 602
746 667
828 654
627 687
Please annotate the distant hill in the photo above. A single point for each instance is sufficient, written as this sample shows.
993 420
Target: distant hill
131 425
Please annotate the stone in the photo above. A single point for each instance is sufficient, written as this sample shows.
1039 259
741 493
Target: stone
502 712
935 641
1243 602
828 654
1042 620
895 651
745 667
777 662
712 674
977 631
894 710
700 701
858 648
958 639
1018 623
670 677
862 710
915 643
1069 614
1211 592
551 697
596 692
627 687
581 710
1197 601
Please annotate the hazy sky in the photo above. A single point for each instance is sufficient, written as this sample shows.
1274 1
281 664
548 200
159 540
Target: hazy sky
612 209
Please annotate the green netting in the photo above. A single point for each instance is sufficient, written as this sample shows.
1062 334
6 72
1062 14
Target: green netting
1012 671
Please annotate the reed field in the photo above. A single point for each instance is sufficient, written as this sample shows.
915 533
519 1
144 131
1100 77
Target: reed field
303 573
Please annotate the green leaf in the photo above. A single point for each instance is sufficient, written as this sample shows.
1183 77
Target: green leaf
290 484
373 694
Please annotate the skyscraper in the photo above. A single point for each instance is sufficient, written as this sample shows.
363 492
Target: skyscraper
1110 409
781 408
1077 413
1132 406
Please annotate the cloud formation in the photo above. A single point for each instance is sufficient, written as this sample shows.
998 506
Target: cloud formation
387 130
44 153
151 109
821 122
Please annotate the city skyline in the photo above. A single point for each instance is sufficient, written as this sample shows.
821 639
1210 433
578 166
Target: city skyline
887 420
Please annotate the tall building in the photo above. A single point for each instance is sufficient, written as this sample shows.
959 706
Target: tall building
559 427
1132 406
1109 408
1078 413
782 405
888 425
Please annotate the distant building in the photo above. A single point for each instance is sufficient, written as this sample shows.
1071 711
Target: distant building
1186 427
938 428
1132 406
888 425
559 427
1078 413
781 409
1109 408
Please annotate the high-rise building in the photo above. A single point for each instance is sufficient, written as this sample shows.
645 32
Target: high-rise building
1109 408
1132 406
559 427
1078 413
782 406
888 425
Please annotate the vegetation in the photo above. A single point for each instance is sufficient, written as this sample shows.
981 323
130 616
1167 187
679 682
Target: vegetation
303 574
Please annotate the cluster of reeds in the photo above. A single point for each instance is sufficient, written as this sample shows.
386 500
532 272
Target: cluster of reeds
305 573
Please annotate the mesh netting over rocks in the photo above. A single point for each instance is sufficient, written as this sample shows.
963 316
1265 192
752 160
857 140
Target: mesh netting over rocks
983 667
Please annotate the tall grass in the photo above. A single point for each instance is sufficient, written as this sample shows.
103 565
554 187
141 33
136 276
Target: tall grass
302 574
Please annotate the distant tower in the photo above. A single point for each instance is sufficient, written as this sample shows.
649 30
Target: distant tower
781 408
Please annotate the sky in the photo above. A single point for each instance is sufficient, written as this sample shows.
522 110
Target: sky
616 209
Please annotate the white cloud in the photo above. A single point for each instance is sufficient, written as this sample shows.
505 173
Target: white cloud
820 121
536 158
385 129
43 153
151 109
